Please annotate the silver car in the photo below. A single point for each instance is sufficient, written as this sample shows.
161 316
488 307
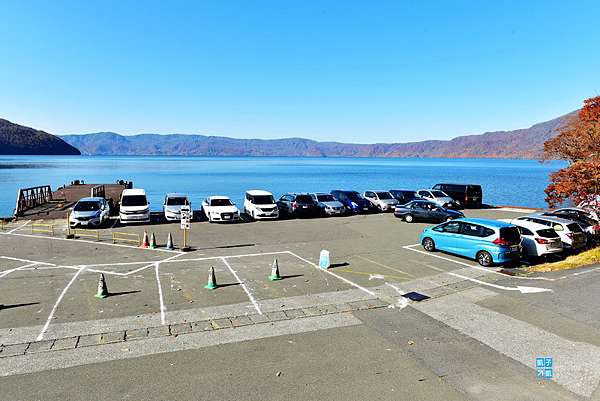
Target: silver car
89 212
439 197
329 205
382 200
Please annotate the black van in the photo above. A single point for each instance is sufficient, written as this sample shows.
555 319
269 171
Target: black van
467 194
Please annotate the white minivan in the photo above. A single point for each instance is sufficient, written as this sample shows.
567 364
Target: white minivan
260 205
134 207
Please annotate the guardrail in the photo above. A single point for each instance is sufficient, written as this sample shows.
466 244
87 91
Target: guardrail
87 233
43 228
126 237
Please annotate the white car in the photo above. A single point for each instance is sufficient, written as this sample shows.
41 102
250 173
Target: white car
260 205
570 233
134 207
439 197
327 203
89 212
172 206
220 208
537 239
382 200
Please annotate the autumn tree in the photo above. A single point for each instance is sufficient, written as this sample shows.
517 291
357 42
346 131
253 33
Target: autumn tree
579 144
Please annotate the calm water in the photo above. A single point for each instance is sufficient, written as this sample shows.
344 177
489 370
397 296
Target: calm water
514 182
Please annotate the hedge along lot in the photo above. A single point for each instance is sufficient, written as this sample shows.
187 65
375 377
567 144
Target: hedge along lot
582 259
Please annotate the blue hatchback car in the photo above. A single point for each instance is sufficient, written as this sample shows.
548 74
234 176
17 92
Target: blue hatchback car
353 201
487 241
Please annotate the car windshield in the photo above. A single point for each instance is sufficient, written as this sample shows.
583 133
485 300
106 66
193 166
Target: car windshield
384 195
547 233
354 195
304 199
134 200
325 198
438 194
263 199
177 201
87 206
220 202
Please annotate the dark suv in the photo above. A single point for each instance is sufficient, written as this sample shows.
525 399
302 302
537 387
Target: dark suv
298 205
466 195
353 201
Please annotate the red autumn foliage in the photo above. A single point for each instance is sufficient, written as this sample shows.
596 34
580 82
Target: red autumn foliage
579 144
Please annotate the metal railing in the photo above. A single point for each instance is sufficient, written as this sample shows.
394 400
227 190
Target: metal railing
98 191
86 233
28 198
42 228
118 236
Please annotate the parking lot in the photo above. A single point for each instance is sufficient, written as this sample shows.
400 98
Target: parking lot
51 280
48 284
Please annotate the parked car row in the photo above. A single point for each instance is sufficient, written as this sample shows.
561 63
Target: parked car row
507 240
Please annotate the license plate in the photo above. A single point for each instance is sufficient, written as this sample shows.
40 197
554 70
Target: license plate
365 208
226 217
514 248
84 223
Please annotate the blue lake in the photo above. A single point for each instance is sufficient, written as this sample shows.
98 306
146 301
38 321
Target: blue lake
504 182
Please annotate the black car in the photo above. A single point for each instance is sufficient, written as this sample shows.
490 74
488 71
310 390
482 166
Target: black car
467 195
353 201
423 210
298 205
403 196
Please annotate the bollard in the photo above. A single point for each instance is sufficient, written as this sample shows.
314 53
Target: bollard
152 241
324 261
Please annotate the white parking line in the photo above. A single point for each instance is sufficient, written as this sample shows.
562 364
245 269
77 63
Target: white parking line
27 260
7 272
353 284
17 228
160 295
243 286
40 337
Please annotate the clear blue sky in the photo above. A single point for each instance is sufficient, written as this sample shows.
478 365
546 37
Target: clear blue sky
354 71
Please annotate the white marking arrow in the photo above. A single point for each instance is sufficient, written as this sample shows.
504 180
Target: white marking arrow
522 289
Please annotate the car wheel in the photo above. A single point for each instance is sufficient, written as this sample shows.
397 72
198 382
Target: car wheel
484 258
409 218
428 244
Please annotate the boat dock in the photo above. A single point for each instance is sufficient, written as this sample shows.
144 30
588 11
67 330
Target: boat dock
43 202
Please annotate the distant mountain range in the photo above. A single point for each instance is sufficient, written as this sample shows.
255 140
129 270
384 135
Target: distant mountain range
19 140
523 143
